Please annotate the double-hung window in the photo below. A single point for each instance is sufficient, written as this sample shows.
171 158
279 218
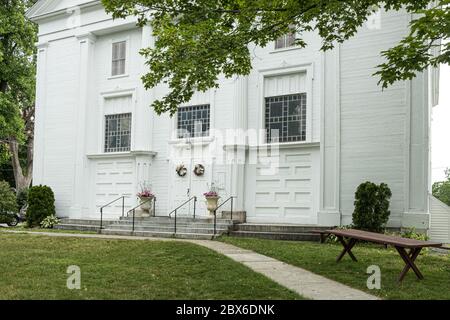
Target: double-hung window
285 41
193 121
285 118
119 53
118 132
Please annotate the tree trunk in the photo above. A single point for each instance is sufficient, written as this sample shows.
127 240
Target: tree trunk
23 179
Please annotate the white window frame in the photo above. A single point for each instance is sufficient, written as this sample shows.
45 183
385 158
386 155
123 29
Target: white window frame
101 117
308 69
127 57
207 98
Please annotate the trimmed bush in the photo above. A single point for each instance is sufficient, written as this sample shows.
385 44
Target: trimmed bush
41 204
371 207
7 198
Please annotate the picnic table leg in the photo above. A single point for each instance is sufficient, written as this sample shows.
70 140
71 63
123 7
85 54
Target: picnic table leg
347 248
409 261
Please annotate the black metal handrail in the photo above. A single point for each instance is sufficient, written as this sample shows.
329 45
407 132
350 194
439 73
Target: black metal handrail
175 212
215 211
107 205
139 205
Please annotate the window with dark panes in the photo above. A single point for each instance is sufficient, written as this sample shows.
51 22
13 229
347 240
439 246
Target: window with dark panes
193 121
285 118
118 132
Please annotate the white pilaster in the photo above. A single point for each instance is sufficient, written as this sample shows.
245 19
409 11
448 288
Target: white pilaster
40 111
80 198
237 171
329 212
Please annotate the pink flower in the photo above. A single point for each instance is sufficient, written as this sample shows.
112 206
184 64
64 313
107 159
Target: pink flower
210 194
145 194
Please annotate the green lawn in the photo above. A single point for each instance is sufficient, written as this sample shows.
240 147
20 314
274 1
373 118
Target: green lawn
34 267
38 229
320 259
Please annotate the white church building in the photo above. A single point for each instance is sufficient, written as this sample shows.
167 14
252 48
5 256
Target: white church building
97 138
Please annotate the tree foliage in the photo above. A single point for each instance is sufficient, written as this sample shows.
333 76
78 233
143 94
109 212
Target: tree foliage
7 198
441 190
197 41
371 206
17 87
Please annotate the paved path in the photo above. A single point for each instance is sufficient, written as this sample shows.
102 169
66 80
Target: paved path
305 283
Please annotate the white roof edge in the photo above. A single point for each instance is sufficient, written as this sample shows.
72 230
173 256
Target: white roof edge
36 12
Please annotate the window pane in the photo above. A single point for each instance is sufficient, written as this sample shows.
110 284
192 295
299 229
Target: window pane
118 58
287 114
118 132
193 121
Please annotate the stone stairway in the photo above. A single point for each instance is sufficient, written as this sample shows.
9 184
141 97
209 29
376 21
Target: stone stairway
162 227
277 231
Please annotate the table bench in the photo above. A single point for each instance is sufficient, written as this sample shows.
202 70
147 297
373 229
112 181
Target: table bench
408 249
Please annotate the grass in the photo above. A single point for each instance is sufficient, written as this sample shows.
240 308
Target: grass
38 229
34 267
320 259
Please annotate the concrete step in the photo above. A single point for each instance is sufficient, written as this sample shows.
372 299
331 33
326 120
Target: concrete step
179 219
170 224
79 227
277 228
85 222
158 234
277 235
180 229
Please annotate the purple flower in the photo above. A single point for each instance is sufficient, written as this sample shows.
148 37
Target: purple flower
145 194
210 194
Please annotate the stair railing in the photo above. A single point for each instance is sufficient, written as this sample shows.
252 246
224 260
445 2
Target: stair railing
215 212
179 207
107 205
138 206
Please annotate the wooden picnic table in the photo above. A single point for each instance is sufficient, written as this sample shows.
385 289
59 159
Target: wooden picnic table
408 249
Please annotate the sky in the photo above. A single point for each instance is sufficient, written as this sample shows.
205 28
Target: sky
440 128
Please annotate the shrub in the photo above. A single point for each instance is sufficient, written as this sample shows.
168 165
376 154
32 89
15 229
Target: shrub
371 207
41 204
412 234
49 222
7 198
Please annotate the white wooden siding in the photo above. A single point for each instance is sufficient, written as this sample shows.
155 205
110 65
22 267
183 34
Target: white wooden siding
439 221
285 84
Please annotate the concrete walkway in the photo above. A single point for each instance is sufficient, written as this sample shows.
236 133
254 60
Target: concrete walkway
301 281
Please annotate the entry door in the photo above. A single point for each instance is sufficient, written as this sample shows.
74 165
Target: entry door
188 186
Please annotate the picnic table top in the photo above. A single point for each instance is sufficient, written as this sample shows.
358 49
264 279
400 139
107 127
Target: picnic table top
383 238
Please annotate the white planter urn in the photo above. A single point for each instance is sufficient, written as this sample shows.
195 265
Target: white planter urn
211 204
146 204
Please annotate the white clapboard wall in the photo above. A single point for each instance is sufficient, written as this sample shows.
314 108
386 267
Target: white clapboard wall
439 221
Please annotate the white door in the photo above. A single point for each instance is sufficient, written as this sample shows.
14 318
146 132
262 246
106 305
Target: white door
189 186
113 179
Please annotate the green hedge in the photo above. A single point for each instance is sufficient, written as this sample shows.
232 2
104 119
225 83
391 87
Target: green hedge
41 204
371 206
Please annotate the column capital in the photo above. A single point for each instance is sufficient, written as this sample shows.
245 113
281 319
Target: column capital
42 45
88 36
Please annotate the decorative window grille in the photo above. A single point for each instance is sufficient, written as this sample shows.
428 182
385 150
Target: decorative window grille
119 51
193 121
118 132
286 118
